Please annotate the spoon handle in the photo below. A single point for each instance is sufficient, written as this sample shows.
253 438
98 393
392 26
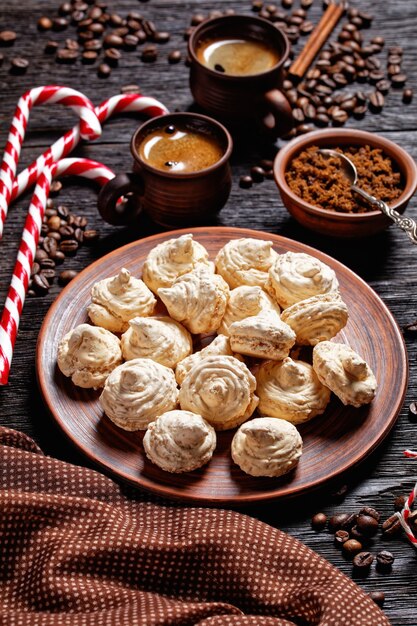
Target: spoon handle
405 223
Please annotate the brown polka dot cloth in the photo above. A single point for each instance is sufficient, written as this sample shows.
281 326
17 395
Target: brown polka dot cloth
74 550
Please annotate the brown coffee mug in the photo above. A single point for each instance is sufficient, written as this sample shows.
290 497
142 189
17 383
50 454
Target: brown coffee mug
236 99
171 198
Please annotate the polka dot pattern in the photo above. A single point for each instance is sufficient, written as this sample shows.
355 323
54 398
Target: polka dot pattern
75 550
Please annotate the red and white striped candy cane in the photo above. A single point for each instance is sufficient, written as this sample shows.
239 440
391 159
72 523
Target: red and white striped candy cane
406 511
10 318
90 128
129 103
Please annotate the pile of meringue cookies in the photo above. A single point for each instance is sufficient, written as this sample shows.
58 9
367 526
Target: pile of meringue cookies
263 306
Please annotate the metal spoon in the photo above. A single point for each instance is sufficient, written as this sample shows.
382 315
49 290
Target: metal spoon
349 170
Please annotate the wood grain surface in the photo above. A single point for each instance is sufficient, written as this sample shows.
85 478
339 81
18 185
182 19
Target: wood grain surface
332 443
386 262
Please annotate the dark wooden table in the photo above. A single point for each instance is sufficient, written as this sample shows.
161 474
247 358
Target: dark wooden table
387 262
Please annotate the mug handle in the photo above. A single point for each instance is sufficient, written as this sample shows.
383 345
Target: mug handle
279 118
125 212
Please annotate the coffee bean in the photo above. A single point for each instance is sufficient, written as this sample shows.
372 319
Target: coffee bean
318 521
59 24
306 4
89 57
245 182
383 86
65 8
66 276
48 273
363 561
130 42
391 527
67 57
351 547
375 76
336 521
50 246
120 32
322 120
298 115
161 37
113 41
396 50
256 7
40 285
349 522
174 57
340 79
130 89
35 269
47 263
384 561
339 116
96 29
378 41
149 54
54 222
40 255
55 188
66 231
93 46
44 23
393 70
378 597
59 257
79 235
71 44
287 4
398 80
104 70
394 59
376 102
368 510
341 536
399 503
367 525
257 174
91 235
81 221
51 47
54 235
7 38
112 56
19 65
69 247
348 105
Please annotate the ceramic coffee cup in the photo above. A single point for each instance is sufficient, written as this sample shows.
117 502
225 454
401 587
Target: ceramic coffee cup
181 174
251 95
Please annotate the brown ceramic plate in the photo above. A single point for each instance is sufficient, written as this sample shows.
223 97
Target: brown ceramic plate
333 442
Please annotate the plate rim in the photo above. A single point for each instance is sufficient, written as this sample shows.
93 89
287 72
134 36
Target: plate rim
172 493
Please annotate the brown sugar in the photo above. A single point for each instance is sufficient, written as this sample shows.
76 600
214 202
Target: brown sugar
319 180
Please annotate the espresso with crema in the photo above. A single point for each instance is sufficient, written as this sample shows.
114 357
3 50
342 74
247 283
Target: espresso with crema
237 56
179 149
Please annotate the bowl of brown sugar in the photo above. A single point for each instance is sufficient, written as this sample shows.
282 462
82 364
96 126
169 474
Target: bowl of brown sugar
317 193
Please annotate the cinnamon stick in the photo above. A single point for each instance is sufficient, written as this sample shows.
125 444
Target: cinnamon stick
317 39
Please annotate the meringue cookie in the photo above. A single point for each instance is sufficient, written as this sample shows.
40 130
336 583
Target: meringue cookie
342 370
159 338
137 392
246 301
118 299
221 390
171 259
88 354
179 441
290 390
264 336
197 300
316 319
267 446
219 345
245 262
296 276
